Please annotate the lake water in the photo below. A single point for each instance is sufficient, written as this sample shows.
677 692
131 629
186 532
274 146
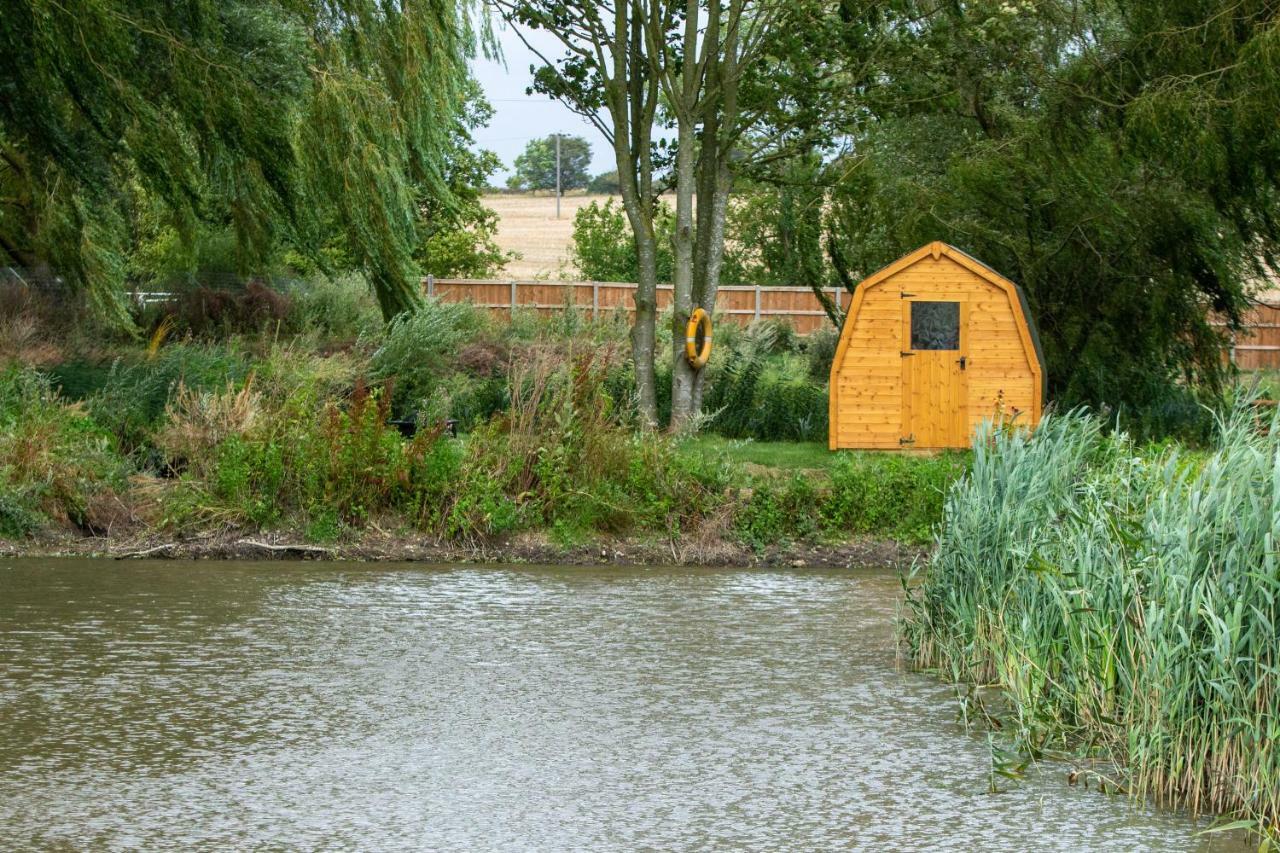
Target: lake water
175 705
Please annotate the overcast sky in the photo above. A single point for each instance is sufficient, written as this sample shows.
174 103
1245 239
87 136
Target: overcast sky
518 117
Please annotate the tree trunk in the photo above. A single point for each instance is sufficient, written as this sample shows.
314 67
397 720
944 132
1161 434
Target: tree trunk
714 177
644 330
713 255
682 373
631 100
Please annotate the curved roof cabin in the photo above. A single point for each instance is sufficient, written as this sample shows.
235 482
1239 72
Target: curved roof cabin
933 345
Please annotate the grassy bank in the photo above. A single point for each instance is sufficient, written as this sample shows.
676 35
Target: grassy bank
286 416
1127 603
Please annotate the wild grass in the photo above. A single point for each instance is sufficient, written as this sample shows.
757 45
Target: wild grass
561 457
54 460
1127 603
857 494
778 455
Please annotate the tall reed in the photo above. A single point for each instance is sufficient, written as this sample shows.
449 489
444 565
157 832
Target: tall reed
1125 602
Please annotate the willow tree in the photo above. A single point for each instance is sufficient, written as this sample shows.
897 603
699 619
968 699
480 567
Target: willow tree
268 117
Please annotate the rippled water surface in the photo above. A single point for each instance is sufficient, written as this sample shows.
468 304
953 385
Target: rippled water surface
166 705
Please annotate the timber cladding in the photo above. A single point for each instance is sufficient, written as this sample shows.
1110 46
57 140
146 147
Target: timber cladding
933 345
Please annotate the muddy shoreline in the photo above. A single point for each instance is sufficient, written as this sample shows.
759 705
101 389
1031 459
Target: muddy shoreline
528 548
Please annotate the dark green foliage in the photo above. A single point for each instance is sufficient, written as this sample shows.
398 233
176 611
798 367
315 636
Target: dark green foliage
133 394
535 169
778 511
774 404
820 351
339 309
760 389
775 229
1111 159
127 397
864 494
421 350
605 183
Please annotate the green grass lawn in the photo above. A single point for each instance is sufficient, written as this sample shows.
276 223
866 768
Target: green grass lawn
1267 383
786 455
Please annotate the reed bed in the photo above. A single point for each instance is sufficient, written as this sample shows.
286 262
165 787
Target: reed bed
1124 601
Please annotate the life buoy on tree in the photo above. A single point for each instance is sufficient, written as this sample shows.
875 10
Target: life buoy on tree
697 341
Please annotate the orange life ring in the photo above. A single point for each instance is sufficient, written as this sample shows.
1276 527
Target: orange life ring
695 350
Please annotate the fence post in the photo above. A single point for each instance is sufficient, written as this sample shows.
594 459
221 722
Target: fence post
431 285
757 319
595 300
513 298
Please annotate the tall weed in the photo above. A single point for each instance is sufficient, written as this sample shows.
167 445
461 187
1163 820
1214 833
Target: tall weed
1122 600
53 458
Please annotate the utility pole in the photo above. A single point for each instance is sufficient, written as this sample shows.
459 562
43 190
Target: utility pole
557 176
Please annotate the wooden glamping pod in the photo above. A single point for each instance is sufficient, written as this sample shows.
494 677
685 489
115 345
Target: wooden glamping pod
932 346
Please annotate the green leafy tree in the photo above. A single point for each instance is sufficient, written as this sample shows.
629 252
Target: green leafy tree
774 230
605 183
535 169
620 63
459 232
1117 160
280 122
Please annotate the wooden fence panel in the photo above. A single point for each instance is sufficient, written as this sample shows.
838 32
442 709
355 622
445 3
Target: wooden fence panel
1256 347
740 304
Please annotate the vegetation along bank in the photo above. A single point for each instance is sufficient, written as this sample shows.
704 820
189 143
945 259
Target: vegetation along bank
1125 602
314 429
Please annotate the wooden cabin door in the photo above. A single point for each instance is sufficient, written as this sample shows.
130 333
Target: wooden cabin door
935 398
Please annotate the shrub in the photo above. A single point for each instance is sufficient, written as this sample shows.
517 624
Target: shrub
889 494
342 308
559 457
196 422
565 457
218 312
128 397
777 512
820 351
421 347
758 392
322 464
53 458
605 183
604 249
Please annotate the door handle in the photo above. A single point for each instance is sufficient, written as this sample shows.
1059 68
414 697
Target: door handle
962 362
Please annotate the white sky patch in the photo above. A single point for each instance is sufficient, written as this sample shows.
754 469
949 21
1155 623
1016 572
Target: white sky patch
518 117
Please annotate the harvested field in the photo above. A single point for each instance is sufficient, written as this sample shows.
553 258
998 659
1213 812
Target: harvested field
527 225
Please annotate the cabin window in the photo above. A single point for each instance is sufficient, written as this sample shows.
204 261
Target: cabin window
935 325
